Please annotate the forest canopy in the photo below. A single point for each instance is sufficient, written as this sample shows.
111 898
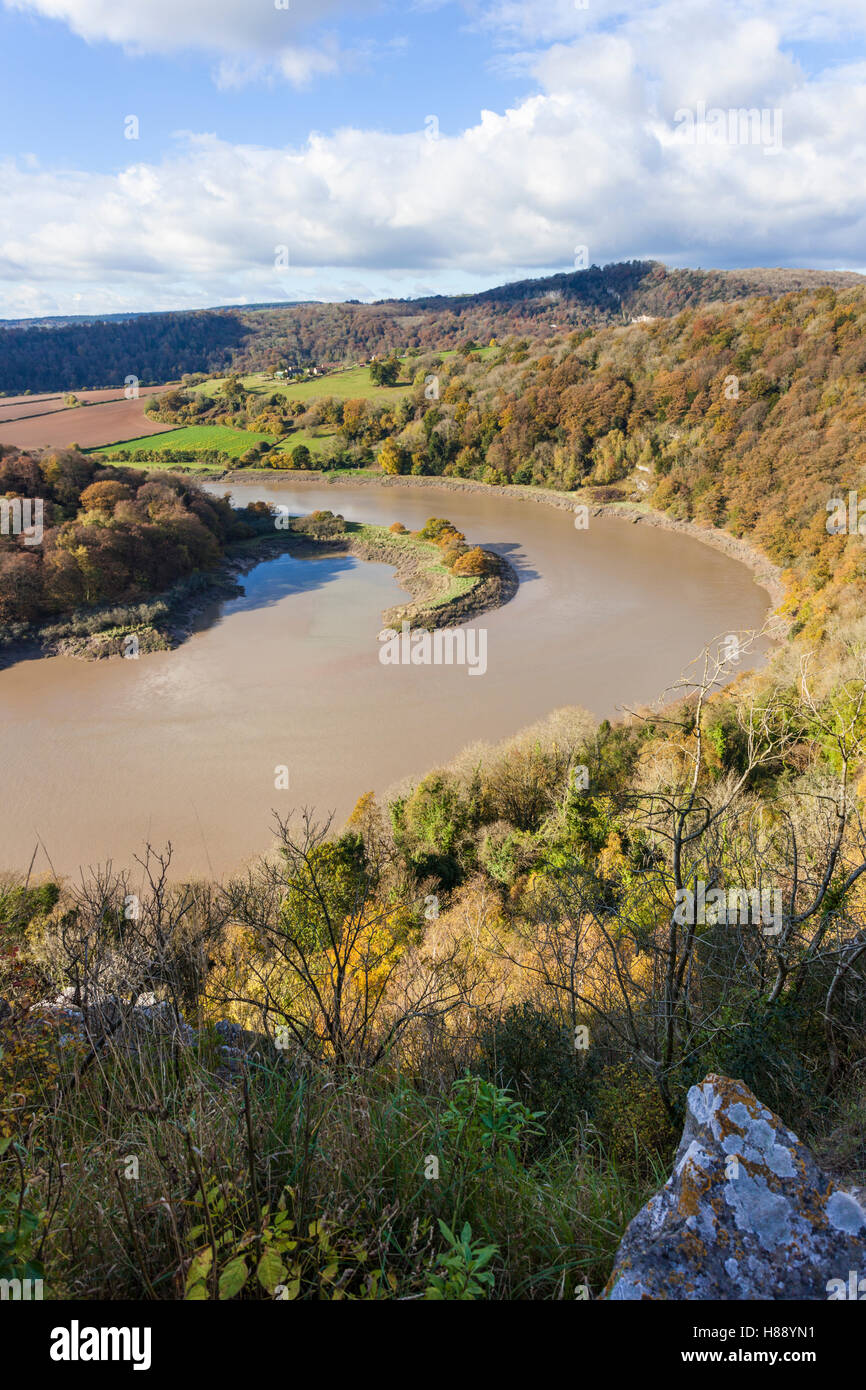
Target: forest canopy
109 534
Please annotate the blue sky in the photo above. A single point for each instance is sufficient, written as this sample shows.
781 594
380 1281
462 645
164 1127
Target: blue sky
74 93
305 134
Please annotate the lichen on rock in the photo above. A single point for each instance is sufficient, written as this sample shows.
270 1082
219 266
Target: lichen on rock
746 1213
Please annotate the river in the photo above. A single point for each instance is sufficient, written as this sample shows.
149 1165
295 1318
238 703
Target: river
183 746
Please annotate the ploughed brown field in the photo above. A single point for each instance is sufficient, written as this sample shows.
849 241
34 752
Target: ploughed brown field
41 400
43 422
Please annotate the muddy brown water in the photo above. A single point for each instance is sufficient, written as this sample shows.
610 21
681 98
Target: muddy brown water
183 746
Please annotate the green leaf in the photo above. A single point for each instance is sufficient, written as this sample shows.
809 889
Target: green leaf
233 1278
271 1270
199 1268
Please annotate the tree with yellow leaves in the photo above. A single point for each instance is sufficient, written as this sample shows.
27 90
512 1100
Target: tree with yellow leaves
328 948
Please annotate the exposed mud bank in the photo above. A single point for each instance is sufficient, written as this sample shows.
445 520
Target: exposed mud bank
417 568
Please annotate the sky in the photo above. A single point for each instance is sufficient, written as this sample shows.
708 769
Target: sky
161 154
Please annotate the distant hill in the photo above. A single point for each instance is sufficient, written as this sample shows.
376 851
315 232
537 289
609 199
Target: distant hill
66 320
83 352
88 355
623 280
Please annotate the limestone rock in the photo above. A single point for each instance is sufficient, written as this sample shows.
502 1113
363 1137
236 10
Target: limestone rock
746 1214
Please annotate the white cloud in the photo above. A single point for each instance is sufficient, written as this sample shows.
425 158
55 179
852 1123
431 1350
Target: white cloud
164 26
590 158
664 22
250 37
250 27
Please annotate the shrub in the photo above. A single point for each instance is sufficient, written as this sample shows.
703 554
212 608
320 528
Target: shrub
475 562
463 1274
433 528
450 536
451 554
393 459
487 1120
631 1118
322 525
533 1054
433 828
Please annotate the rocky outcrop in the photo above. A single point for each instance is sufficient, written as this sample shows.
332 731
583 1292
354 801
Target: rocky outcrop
746 1214
107 1021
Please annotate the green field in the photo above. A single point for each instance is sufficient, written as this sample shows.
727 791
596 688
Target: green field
194 439
198 440
314 442
353 384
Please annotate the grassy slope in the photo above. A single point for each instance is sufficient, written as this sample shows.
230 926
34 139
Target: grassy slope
198 439
353 384
314 442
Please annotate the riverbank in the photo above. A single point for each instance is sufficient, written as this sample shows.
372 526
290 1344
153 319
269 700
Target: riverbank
438 598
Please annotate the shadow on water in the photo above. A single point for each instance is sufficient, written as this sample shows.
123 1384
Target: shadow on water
261 587
514 554
275 579
20 651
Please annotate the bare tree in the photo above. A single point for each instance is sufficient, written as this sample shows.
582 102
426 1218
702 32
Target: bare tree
329 959
734 897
